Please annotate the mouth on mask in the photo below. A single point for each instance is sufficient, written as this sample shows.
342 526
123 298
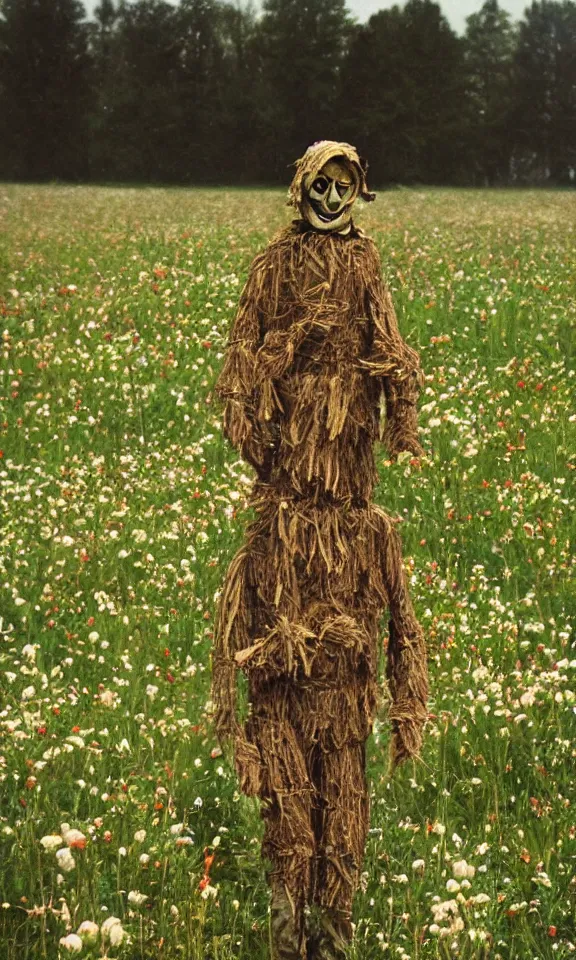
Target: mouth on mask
323 215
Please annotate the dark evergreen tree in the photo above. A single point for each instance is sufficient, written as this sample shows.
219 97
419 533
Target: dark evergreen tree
104 80
300 50
139 94
215 74
489 51
403 95
44 89
242 152
544 118
173 89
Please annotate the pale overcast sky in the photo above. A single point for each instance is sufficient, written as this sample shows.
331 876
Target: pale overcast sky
455 10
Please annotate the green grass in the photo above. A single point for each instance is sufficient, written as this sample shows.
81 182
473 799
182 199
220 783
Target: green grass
120 508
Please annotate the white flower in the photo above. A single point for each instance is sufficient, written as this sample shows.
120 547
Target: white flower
66 861
112 931
29 651
452 886
67 541
480 899
72 837
543 879
28 693
443 910
72 943
139 536
89 931
209 891
151 691
144 859
51 842
184 841
140 836
418 865
76 741
517 907
94 636
463 870
136 899
439 828
176 829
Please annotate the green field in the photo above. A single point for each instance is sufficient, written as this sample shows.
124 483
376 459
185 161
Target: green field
120 508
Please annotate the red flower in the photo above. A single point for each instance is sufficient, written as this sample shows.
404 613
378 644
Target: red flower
208 861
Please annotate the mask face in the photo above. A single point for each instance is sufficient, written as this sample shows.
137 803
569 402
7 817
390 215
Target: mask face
329 195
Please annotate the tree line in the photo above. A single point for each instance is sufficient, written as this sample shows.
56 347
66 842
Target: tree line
207 91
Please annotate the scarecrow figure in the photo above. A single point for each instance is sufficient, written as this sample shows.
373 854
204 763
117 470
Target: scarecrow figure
314 351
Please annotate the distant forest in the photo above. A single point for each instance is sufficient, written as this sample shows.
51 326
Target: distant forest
207 91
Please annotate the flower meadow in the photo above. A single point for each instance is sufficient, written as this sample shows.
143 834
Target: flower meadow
122 831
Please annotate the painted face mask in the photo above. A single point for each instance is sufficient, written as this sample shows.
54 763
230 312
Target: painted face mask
329 196
328 179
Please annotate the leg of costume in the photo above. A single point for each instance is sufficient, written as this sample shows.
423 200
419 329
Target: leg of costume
314 347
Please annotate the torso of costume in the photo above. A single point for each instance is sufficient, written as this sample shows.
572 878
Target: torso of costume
313 354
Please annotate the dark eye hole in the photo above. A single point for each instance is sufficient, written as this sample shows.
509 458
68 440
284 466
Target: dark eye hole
320 185
342 188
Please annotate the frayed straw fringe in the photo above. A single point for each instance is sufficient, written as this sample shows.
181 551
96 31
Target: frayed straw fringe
314 348
301 607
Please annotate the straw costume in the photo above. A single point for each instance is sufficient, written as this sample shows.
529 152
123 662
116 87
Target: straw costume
313 351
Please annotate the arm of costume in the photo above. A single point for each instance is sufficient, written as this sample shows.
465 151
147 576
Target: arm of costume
407 664
238 384
394 362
